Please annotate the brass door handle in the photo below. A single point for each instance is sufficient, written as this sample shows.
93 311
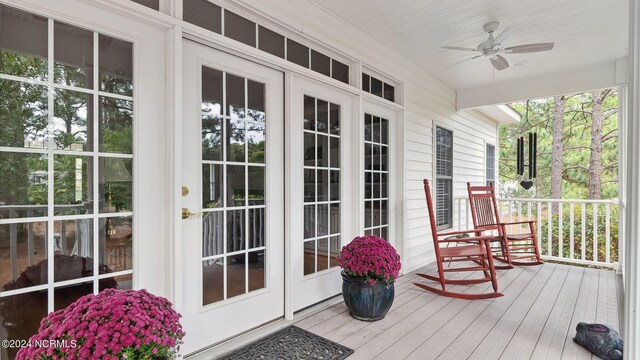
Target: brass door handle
186 213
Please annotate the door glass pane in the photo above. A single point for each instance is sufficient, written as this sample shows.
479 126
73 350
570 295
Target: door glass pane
233 185
321 182
116 184
376 174
73 184
73 120
116 244
73 249
116 125
23 180
116 66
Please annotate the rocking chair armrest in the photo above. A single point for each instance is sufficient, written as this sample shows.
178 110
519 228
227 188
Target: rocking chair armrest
516 222
476 239
469 239
459 232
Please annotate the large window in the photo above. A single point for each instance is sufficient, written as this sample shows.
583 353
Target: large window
376 176
66 167
444 177
490 164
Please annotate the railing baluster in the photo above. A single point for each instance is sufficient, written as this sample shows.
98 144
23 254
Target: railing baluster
539 221
519 216
528 210
571 238
583 247
608 234
549 228
595 232
467 208
560 240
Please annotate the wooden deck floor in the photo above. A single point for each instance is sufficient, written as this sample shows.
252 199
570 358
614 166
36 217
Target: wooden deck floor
536 318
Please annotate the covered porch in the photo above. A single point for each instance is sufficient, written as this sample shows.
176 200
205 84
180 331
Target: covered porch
535 319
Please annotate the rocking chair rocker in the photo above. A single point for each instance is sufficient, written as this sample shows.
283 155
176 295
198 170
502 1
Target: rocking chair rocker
474 249
513 249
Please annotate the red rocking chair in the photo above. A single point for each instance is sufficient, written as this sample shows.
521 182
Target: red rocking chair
475 249
513 249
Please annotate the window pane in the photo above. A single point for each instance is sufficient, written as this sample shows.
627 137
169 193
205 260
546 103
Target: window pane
236 275
23 179
339 71
297 53
256 270
73 184
238 28
73 247
255 142
366 82
235 140
64 296
255 101
23 115
309 257
116 184
271 42
256 185
73 120
235 97
256 228
152 4
116 66
212 233
23 44
24 250
235 230
16 324
116 125
323 251
309 221
212 281
320 63
334 118
73 54
309 113
376 87
309 185
203 13
389 92
235 185
212 186
322 124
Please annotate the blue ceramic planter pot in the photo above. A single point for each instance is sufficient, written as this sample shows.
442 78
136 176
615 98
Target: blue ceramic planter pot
365 301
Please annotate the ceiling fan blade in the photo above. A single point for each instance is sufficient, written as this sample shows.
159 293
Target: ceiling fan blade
461 61
459 48
504 35
499 63
529 48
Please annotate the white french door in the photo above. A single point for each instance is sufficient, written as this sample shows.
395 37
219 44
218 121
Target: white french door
233 166
320 193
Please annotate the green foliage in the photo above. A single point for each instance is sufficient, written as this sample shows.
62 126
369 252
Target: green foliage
537 116
577 231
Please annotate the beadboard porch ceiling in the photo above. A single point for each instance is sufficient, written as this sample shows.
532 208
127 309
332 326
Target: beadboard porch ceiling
588 35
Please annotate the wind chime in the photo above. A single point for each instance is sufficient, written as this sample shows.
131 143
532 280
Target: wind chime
527 183
533 143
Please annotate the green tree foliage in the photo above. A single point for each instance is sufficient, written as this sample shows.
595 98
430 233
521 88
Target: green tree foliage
537 116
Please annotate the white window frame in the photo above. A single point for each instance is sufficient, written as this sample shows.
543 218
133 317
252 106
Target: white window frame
437 125
486 164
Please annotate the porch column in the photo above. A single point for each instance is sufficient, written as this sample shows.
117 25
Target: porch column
632 248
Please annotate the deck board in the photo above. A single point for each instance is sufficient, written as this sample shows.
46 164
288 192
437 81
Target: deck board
535 319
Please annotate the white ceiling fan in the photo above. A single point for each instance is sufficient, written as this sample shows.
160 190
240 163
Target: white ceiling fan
493 47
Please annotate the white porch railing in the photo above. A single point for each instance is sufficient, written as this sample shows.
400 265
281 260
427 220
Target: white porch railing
569 230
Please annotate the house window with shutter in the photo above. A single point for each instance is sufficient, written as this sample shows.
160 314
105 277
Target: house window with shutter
444 177
490 164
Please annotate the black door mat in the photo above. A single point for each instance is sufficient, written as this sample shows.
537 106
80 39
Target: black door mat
291 343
